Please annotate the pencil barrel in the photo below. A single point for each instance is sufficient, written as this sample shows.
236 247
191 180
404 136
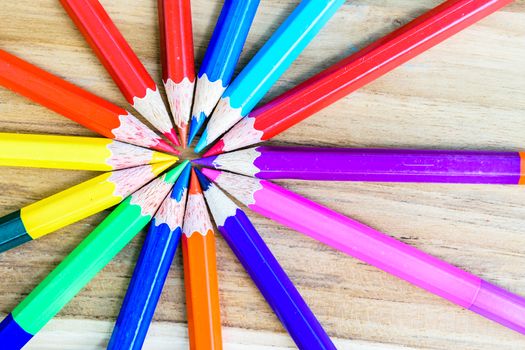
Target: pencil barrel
274 284
145 288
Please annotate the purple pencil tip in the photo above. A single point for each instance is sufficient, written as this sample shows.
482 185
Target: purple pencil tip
211 174
206 161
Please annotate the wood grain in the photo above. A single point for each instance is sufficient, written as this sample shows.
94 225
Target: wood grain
467 93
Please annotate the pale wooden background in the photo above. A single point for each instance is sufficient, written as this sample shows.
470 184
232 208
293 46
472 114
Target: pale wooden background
466 93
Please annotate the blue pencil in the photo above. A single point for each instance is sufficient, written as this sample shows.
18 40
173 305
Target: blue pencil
272 60
221 57
151 270
264 270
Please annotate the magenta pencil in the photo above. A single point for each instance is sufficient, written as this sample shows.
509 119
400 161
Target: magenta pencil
384 165
375 248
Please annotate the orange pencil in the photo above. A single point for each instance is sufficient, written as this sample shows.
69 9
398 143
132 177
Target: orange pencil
76 104
200 272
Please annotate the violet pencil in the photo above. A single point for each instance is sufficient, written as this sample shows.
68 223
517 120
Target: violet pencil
382 165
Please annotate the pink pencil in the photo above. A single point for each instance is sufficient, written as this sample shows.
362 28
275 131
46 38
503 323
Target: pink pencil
375 248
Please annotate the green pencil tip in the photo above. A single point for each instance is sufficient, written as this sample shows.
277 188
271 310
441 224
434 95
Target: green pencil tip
172 175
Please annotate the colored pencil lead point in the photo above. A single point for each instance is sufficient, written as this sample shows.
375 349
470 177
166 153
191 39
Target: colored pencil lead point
204 181
172 136
216 149
204 161
164 146
211 174
195 126
203 143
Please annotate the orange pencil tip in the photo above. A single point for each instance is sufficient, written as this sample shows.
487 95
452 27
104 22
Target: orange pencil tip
195 186
183 132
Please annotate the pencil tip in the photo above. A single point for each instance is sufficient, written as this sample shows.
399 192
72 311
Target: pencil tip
182 183
173 174
211 174
202 142
195 187
195 125
158 168
216 149
172 136
183 132
205 161
163 146
205 183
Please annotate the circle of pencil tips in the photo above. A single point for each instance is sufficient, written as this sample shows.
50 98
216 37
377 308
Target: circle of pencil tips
144 182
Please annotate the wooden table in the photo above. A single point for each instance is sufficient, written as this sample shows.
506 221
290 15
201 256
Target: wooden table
467 93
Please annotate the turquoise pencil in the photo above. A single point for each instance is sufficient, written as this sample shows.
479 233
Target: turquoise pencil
272 60
221 57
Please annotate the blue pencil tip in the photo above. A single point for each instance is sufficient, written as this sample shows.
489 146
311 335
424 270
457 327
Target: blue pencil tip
181 184
195 125
202 144
205 183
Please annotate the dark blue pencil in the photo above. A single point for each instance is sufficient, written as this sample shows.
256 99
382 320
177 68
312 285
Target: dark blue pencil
151 270
264 269
221 57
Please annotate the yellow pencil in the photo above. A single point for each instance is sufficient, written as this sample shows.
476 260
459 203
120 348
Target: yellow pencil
74 204
74 152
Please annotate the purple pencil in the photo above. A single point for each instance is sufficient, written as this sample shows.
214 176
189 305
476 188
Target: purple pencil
265 271
382 165
375 248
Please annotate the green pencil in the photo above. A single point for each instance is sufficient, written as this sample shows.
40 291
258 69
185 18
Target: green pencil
85 261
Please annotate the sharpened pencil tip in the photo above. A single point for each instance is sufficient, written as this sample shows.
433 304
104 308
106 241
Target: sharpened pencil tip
216 149
205 183
202 144
211 174
158 168
195 125
195 186
181 184
183 132
205 161
163 146
173 174
172 136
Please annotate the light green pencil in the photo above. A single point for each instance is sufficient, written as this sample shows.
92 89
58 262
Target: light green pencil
85 261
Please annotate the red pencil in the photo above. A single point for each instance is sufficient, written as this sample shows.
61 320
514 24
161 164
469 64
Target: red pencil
355 71
76 104
178 71
121 62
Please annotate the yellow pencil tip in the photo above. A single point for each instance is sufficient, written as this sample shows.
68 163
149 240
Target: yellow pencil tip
159 157
158 168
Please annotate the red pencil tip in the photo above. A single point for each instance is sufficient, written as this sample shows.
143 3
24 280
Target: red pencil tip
216 149
172 136
163 146
195 186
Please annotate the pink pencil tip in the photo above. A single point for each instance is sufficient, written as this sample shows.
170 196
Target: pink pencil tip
217 148
165 147
172 136
211 173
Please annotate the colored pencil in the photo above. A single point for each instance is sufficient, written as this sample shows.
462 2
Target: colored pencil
84 262
76 104
74 152
264 269
121 62
151 270
200 273
221 57
268 64
74 204
383 165
375 248
178 71
355 71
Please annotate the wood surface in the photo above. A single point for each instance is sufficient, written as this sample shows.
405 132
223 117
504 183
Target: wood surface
466 93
